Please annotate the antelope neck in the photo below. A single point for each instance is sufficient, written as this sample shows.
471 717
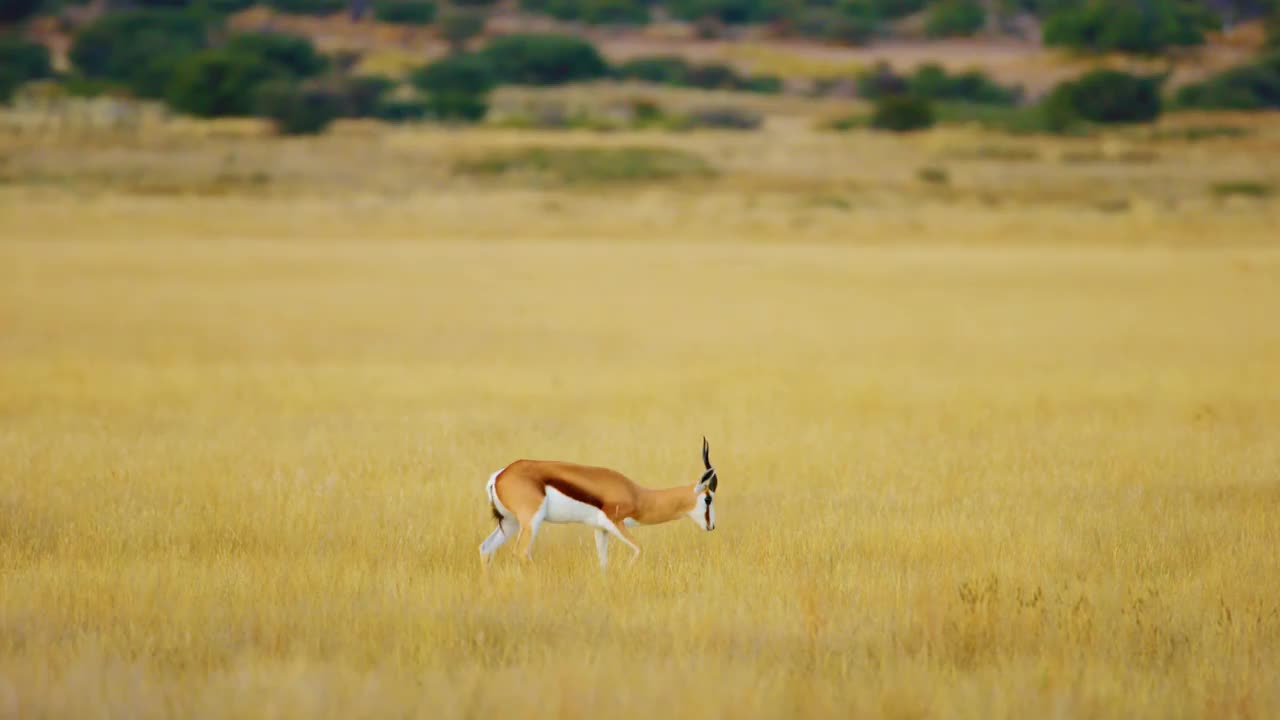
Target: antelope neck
659 506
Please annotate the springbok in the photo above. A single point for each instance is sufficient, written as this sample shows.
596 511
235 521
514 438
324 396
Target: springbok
527 493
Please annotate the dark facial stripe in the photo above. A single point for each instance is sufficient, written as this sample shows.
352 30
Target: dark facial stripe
707 513
576 493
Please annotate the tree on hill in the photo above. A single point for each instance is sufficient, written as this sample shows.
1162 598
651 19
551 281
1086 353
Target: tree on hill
21 61
457 87
138 49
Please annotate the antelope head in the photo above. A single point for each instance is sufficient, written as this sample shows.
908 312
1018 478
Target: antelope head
704 511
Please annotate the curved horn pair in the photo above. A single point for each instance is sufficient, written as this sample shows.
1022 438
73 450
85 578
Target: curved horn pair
706 453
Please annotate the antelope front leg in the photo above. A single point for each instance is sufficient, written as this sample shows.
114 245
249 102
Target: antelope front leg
619 530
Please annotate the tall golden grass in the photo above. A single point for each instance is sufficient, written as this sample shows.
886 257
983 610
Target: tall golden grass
999 458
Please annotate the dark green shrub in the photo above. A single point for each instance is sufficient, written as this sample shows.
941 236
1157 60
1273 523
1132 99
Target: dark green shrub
729 12
849 22
1112 96
902 113
534 59
138 49
457 87
879 81
297 108
1146 27
1255 86
20 62
12 11
309 7
292 53
401 110
934 82
218 83
365 94
956 18
764 84
477 4
458 27
614 12
567 10
596 12
894 9
1058 112
405 12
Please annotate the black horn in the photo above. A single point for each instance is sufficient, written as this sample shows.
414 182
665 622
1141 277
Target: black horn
706 453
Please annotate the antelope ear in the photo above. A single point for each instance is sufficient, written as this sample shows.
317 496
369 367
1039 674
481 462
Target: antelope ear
708 480
706 453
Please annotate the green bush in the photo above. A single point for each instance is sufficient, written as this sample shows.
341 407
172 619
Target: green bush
956 18
309 7
934 82
12 11
614 12
894 9
297 108
458 27
1058 113
359 96
1146 27
902 113
1255 86
729 12
401 110
219 83
457 87
1112 96
879 81
405 12
850 22
20 62
596 12
535 59
139 49
763 84
291 53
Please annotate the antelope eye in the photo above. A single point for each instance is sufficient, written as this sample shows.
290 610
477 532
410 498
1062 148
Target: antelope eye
708 499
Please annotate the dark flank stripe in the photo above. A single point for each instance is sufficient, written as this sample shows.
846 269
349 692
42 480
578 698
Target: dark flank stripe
576 493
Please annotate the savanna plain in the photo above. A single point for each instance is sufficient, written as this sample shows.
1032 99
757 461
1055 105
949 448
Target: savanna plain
995 421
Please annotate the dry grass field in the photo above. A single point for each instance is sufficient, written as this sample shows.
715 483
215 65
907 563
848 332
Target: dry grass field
995 441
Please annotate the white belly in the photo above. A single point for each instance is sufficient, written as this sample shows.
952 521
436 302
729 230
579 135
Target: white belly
561 508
